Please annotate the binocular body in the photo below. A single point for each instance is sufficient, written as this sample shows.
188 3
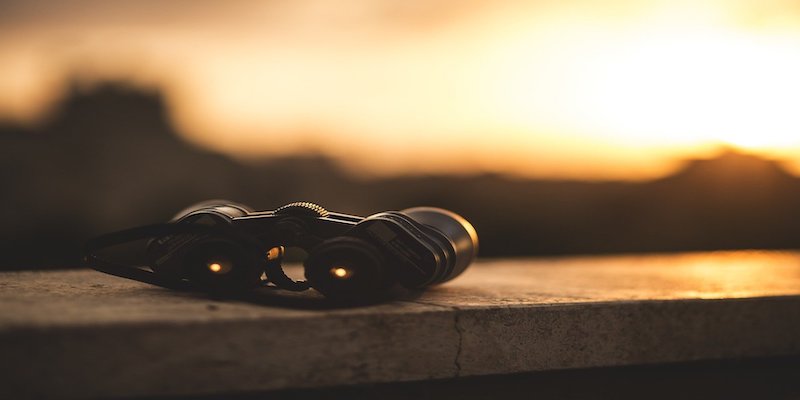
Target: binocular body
222 246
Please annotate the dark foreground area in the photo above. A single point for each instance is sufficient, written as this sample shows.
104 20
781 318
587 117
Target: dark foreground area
770 378
83 334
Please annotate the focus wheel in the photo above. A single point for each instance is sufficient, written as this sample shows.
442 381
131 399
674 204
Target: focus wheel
303 209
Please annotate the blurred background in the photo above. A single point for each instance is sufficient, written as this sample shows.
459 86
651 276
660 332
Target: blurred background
556 127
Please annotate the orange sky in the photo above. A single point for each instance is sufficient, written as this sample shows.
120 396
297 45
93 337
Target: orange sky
598 90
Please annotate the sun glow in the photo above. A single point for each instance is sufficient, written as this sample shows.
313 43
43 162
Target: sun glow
610 89
654 87
728 87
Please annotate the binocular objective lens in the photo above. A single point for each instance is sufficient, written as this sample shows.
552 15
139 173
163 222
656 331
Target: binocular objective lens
219 265
341 272
346 268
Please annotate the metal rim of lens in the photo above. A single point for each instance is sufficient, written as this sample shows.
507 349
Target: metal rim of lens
458 231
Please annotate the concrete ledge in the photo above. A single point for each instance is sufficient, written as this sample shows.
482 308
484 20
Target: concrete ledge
81 334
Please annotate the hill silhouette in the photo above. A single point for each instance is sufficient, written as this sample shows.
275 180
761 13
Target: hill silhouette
108 158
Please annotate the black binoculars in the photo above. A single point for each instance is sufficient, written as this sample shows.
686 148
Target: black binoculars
223 247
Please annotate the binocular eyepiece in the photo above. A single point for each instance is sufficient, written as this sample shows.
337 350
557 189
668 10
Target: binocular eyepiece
225 247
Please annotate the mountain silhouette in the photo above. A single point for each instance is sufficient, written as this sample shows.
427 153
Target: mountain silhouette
108 158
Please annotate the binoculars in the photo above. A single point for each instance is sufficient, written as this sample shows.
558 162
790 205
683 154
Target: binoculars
224 247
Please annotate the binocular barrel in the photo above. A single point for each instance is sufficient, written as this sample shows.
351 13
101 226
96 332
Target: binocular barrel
349 257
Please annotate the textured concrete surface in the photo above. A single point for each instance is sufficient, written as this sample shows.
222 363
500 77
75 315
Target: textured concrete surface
79 334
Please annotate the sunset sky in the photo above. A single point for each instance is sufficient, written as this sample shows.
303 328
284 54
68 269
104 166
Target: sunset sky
566 89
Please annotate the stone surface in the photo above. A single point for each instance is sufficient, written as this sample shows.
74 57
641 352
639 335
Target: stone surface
79 334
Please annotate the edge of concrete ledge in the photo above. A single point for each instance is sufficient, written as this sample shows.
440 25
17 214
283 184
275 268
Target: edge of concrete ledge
431 342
